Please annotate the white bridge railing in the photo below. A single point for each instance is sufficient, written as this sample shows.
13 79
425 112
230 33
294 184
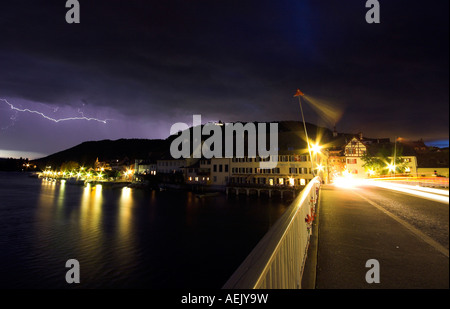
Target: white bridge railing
278 260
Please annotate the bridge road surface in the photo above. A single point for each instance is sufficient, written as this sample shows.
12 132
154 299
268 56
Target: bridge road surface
407 235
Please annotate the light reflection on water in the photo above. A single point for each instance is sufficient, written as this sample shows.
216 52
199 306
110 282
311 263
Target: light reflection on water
124 238
124 241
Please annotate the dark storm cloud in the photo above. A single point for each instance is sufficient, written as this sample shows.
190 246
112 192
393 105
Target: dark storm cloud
234 60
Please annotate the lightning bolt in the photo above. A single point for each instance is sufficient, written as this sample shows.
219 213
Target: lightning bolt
26 110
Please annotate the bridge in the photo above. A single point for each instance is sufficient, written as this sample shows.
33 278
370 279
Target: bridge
329 233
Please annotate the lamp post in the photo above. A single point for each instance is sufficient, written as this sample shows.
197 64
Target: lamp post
316 150
395 153
300 94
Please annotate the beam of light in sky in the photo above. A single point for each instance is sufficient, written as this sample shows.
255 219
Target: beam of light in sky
331 112
26 110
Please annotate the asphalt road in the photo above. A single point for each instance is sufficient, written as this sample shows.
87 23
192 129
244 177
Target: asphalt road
407 235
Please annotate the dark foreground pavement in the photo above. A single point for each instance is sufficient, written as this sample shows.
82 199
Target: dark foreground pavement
353 229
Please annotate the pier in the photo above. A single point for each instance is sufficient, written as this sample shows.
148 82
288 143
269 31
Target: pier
270 191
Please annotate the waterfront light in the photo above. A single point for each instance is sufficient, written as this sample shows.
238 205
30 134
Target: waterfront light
315 148
391 167
291 181
320 167
98 191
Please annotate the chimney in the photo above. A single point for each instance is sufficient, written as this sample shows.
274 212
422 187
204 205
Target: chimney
360 135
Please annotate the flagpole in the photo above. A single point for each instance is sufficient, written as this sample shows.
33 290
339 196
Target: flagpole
299 94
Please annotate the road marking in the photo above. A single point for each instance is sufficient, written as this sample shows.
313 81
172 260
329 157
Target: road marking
411 228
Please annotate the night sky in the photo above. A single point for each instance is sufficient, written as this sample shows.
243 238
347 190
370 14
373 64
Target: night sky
145 65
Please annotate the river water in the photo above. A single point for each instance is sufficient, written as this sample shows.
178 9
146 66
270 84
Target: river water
124 238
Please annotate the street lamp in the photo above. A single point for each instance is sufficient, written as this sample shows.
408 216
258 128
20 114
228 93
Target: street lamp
316 148
391 168
320 167
300 94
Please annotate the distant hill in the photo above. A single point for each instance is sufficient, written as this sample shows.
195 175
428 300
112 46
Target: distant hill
105 150
291 136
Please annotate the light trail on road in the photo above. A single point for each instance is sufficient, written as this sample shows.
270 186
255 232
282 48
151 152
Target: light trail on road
437 195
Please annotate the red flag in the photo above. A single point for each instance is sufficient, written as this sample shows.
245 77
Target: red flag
298 93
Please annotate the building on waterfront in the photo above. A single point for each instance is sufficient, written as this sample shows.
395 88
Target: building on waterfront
101 166
336 162
358 148
170 166
145 167
354 151
197 173
293 169
220 171
434 163
215 172
338 153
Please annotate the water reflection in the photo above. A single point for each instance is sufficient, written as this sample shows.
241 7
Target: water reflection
90 229
61 195
46 200
91 207
125 247
125 207
131 237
